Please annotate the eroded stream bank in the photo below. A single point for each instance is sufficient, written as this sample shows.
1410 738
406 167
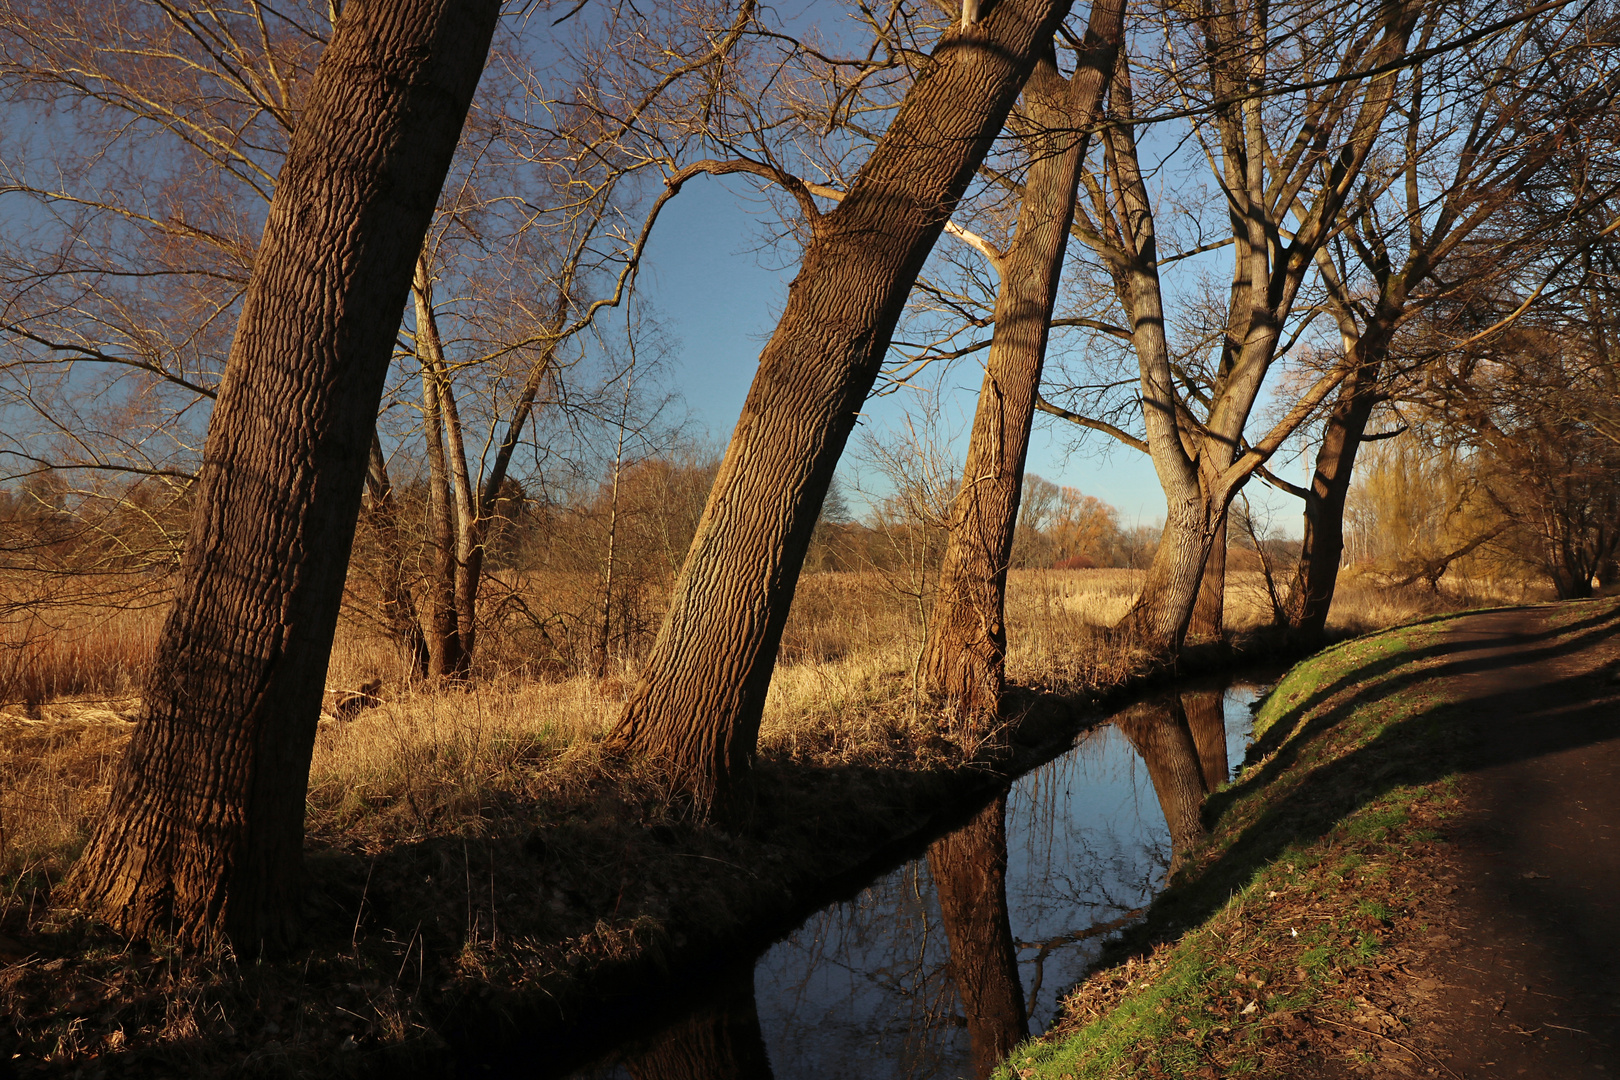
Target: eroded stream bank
938 966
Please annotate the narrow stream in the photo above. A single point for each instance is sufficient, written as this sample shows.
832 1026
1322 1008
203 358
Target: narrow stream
939 967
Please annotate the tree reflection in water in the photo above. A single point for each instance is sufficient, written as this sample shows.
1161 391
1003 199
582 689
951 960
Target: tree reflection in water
914 978
969 868
1162 736
719 1041
1206 717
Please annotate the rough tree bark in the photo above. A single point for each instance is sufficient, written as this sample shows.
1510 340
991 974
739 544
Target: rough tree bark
965 655
1209 613
969 868
696 709
204 832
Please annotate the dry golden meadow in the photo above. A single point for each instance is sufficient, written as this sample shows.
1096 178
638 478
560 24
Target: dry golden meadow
417 804
427 760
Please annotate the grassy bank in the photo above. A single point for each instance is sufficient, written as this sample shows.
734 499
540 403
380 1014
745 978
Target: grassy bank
1267 944
476 863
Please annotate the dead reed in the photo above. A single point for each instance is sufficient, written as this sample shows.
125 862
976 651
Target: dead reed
77 653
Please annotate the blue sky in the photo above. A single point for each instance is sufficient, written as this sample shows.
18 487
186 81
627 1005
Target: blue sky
719 297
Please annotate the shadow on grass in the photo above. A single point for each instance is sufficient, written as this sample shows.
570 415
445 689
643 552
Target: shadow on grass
1435 741
1283 740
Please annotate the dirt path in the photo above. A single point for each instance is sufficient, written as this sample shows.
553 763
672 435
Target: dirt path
1529 969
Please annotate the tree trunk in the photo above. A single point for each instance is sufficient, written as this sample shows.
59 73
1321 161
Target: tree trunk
469 519
965 655
1162 613
1159 617
399 605
459 511
612 544
446 656
696 709
969 868
1210 610
1266 281
204 832
1161 735
1310 595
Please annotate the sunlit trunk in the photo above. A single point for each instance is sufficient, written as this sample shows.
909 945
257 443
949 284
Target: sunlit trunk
964 659
203 835
1209 611
446 656
696 710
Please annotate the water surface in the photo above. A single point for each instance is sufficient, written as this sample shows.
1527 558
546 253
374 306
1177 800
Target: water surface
939 967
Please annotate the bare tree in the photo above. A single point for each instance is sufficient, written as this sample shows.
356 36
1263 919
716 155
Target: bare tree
165 130
1195 408
697 707
1552 477
204 832
559 238
1492 121
964 662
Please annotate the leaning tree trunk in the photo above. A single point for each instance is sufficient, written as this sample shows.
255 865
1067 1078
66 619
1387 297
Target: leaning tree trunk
969 868
964 659
697 707
204 831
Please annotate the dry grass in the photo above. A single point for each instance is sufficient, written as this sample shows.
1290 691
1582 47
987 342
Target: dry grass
76 653
432 761
436 787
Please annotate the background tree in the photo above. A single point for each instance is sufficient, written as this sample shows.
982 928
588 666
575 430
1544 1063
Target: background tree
1196 404
1484 128
146 181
